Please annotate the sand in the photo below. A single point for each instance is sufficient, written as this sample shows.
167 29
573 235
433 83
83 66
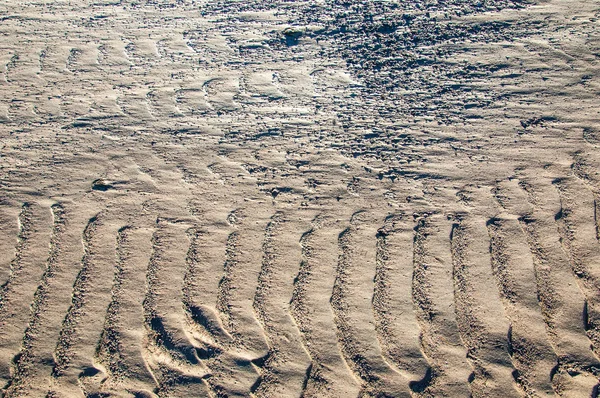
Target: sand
300 199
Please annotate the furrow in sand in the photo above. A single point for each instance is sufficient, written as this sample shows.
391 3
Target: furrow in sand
82 281
14 263
513 268
224 286
9 66
5 60
26 270
203 326
162 102
22 67
396 323
135 104
110 348
562 301
578 230
351 301
34 365
83 58
479 312
9 236
76 352
172 357
285 370
210 249
112 55
231 372
206 256
23 70
433 295
328 374
121 345
248 349
52 60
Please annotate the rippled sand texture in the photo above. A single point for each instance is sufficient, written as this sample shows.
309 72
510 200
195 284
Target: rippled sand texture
300 199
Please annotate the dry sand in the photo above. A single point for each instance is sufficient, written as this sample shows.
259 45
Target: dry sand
299 199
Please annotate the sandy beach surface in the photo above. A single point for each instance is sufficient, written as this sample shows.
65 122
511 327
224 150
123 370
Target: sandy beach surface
273 198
